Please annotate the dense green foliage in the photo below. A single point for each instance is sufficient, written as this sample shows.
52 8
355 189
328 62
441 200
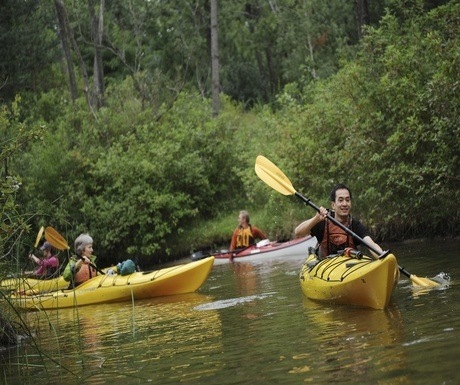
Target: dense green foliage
393 124
15 223
152 174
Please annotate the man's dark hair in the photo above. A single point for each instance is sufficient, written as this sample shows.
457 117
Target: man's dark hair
340 186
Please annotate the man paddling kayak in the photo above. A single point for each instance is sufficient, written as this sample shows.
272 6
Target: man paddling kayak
331 237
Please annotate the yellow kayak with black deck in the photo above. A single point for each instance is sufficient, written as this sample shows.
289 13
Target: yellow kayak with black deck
363 282
350 278
180 279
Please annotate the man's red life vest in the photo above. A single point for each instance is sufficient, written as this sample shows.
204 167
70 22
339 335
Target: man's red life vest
335 238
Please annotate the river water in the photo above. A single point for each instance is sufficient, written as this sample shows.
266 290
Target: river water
250 324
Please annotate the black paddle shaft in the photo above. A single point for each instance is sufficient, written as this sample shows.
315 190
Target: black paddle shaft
345 228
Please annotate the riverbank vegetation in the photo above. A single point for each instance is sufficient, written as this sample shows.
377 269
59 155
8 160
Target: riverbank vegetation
110 124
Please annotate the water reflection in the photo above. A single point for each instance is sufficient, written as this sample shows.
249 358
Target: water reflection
146 340
246 277
251 324
350 342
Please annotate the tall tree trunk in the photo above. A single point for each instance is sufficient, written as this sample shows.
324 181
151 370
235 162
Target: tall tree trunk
97 29
215 61
64 36
271 72
70 37
361 15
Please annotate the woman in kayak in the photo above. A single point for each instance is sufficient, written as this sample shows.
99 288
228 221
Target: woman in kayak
245 234
48 265
331 237
81 267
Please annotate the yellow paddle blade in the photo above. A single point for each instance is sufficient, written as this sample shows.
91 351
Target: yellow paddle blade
56 239
273 176
423 281
39 236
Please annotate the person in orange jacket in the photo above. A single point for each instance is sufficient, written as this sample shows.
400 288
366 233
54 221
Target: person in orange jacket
81 266
245 234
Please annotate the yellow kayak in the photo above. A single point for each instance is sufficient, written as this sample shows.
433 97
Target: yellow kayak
24 284
28 285
179 279
341 279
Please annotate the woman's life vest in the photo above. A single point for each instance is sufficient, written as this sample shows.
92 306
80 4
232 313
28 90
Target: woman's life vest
86 272
244 237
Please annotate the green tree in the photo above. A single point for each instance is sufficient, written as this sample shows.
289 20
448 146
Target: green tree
387 124
28 46
14 223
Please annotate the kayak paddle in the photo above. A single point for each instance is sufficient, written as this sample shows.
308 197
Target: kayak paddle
275 178
201 255
56 239
58 242
39 236
37 242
